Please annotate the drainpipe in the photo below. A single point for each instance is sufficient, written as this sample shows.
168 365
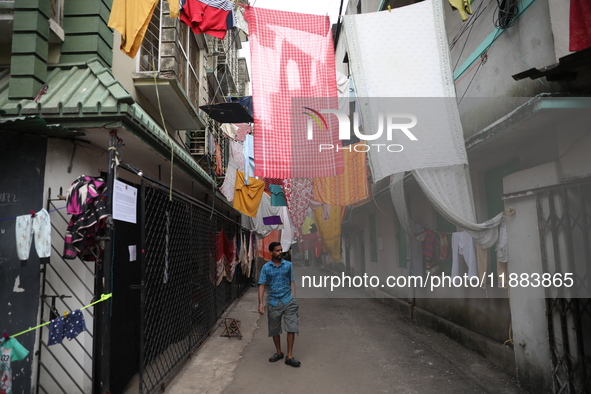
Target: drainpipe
106 306
28 62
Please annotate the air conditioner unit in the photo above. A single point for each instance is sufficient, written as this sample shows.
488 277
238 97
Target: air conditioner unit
197 142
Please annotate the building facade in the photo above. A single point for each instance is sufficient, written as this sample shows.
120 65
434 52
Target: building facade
72 104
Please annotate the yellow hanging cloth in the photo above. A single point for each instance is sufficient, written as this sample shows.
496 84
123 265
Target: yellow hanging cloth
463 6
131 18
174 6
330 231
349 188
247 198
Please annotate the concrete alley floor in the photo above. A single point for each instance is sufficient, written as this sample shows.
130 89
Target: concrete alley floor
355 345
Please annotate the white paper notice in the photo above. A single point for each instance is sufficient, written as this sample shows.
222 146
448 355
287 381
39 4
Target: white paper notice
132 252
124 202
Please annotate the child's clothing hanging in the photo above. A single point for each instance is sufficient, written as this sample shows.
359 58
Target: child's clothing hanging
11 350
89 214
69 326
31 226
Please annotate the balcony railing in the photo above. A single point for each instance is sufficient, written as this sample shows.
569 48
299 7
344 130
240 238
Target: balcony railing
168 70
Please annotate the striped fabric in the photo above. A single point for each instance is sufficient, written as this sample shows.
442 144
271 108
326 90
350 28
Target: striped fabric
349 188
225 5
292 56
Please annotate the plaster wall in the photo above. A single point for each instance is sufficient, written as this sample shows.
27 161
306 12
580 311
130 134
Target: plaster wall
528 309
387 263
528 43
559 19
574 145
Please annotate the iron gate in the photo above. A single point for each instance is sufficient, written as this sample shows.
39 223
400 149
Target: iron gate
180 300
66 285
564 227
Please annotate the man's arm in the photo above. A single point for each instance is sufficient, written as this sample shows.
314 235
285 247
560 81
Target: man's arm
292 282
261 295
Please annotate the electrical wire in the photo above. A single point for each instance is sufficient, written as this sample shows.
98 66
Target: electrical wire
465 26
507 14
482 61
468 27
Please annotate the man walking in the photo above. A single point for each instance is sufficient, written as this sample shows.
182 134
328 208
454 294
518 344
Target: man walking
278 274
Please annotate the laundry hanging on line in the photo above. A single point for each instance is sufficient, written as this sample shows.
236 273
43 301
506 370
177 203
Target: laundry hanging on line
277 196
131 19
35 225
298 193
247 198
235 163
349 188
292 52
416 47
85 202
69 326
10 350
212 17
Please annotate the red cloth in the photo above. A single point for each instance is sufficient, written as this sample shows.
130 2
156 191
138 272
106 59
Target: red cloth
272 181
202 18
243 129
429 243
224 247
292 56
443 247
224 257
308 242
580 25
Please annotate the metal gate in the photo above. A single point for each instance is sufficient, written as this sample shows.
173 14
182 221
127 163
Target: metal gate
564 222
66 285
180 300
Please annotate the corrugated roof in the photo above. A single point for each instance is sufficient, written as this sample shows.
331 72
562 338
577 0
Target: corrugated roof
90 90
77 89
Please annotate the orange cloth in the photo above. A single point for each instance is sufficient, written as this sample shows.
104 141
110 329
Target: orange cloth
131 18
248 197
219 170
330 231
349 188
275 236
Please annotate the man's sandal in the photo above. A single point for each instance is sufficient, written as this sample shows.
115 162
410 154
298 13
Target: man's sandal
276 357
293 362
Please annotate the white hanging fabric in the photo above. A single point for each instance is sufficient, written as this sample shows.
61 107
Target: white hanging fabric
407 72
449 192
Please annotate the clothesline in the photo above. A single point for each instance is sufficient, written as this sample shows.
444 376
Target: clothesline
53 210
103 298
327 15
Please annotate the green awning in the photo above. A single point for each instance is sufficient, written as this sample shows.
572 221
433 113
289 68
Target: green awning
87 95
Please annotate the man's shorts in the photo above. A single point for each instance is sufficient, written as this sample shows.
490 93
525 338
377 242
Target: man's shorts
290 317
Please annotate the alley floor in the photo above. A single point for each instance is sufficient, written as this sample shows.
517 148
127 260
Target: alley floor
346 345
